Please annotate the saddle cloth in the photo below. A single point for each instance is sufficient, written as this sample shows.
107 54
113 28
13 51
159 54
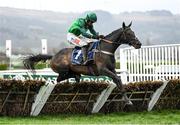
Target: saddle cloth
77 55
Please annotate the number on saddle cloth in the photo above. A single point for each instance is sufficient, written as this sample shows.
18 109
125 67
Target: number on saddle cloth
77 55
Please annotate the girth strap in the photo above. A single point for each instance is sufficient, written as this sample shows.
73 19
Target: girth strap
105 52
91 70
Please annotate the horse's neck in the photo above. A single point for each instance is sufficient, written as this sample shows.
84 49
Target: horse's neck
109 47
114 37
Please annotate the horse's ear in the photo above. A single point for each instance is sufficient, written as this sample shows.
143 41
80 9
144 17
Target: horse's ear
123 25
130 24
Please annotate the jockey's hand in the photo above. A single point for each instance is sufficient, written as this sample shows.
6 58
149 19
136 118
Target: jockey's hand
101 36
95 37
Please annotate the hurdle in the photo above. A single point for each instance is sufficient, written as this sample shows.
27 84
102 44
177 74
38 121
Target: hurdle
45 92
100 99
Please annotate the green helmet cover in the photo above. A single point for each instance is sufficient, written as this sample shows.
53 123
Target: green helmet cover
92 17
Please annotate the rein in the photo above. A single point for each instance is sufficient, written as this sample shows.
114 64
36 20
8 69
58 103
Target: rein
106 52
111 42
108 41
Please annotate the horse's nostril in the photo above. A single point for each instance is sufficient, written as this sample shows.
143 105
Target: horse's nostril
139 44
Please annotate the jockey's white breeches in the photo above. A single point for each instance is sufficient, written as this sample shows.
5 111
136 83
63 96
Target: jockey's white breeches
78 40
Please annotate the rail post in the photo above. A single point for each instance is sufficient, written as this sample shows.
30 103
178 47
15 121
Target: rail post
123 66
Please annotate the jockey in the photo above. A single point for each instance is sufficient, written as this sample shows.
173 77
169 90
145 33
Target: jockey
77 33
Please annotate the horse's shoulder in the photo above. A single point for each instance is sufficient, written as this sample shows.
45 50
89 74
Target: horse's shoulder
65 50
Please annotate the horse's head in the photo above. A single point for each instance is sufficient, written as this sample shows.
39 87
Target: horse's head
129 37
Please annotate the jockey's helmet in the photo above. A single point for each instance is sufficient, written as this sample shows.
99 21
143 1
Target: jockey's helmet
91 17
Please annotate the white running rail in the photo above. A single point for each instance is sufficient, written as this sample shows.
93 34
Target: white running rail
150 63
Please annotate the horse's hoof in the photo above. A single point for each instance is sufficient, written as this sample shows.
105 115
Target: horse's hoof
129 103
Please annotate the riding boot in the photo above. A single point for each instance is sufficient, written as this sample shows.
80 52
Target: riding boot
84 50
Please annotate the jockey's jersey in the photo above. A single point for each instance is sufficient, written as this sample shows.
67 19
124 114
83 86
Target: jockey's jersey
79 27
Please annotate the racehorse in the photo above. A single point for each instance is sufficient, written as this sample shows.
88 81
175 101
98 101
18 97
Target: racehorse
104 60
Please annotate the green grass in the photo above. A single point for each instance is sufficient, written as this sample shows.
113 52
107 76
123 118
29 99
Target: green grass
3 66
154 117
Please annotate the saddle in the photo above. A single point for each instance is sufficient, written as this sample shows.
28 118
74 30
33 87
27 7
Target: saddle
77 55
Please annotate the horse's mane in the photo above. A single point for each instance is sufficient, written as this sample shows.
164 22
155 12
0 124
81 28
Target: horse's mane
113 32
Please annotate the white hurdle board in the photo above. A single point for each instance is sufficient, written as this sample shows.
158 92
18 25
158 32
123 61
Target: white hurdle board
102 98
46 90
156 95
42 97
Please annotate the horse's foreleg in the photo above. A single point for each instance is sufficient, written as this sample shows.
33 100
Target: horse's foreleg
117 80
113 75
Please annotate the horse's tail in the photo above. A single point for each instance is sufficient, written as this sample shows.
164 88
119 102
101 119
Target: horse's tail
30 61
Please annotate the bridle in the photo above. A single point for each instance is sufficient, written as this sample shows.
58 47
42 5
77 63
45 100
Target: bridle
125 39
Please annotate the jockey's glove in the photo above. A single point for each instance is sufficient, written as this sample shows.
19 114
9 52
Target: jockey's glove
101 36
95 37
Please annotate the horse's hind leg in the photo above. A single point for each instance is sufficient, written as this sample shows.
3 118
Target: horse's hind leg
62 76
77 78
66 75
59 78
